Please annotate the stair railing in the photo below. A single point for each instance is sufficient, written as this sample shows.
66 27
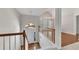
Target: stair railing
23 47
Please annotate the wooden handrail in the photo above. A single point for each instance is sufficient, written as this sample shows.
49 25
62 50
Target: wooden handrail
11 34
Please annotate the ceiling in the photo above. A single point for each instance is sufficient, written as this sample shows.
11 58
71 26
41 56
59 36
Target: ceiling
34 11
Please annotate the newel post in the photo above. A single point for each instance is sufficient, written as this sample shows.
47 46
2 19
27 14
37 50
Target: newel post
24 39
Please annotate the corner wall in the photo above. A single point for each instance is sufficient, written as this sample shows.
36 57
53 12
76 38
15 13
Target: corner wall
67 20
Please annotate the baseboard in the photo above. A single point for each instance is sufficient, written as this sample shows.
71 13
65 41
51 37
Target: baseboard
69 33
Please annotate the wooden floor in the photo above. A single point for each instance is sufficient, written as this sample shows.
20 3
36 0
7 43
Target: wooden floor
32 45
68 39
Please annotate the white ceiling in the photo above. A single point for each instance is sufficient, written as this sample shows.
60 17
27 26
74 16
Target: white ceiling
34 11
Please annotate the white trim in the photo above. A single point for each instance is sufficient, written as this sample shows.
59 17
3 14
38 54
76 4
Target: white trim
70 33
58 17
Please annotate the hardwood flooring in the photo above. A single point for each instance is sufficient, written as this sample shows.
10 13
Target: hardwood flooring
32 45
68 39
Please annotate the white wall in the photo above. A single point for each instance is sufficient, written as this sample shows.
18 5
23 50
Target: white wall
25 19
9 22
67 20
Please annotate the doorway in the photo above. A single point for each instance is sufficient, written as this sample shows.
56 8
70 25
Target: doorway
77 28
